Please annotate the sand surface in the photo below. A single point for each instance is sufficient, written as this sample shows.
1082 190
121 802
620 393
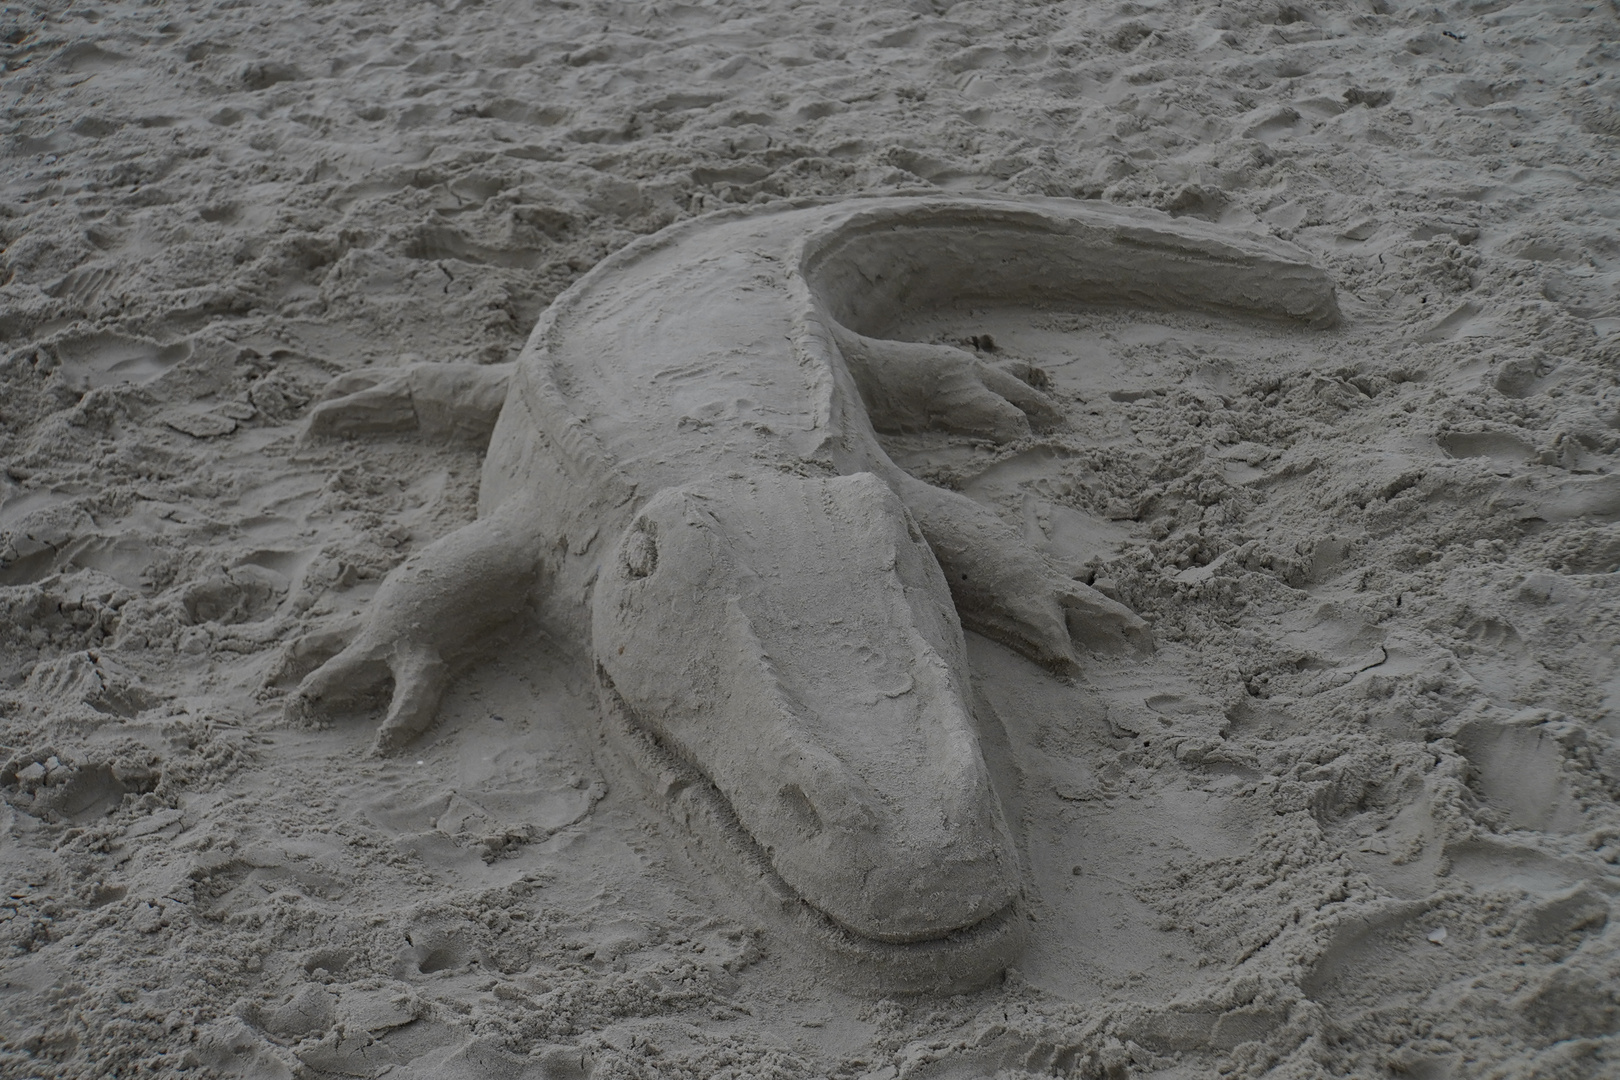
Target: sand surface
1356 817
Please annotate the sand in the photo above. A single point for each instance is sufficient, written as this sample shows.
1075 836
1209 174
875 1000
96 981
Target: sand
1355 816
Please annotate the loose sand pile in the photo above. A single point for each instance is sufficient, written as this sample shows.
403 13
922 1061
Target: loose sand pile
1357 815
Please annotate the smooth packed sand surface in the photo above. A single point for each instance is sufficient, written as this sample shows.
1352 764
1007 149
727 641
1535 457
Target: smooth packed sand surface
1354 816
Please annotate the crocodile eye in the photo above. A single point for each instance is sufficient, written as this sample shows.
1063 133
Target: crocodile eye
799 808
641 549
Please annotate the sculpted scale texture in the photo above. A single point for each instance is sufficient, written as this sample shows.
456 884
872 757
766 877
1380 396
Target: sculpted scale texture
686 469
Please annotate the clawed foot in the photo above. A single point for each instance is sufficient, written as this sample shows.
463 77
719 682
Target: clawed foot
911 386
444 601
354 676
443 401
1102 625
376 400
1048 618
1007 591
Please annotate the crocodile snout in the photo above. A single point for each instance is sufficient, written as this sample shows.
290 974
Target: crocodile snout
901 873
887 857
794 640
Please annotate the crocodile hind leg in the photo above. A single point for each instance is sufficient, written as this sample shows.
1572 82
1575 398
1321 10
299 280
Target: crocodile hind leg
913 386
1005 590
442 401
437 607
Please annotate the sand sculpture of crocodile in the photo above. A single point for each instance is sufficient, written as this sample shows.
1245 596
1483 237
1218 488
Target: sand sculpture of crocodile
685 476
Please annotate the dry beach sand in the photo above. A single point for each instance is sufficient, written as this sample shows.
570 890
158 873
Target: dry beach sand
1355 817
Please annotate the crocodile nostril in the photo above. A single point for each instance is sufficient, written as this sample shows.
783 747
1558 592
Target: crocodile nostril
799 808
914 531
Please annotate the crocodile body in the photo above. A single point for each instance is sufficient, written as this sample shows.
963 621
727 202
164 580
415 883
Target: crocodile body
686 478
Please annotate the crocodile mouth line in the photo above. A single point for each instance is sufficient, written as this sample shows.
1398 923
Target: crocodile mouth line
673 777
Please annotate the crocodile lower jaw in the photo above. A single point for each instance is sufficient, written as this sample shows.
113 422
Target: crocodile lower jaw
963 959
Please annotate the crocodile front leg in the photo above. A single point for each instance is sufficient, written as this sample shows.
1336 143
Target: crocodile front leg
1005 590
432 610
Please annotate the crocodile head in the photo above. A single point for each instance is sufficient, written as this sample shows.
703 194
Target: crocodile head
794 641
